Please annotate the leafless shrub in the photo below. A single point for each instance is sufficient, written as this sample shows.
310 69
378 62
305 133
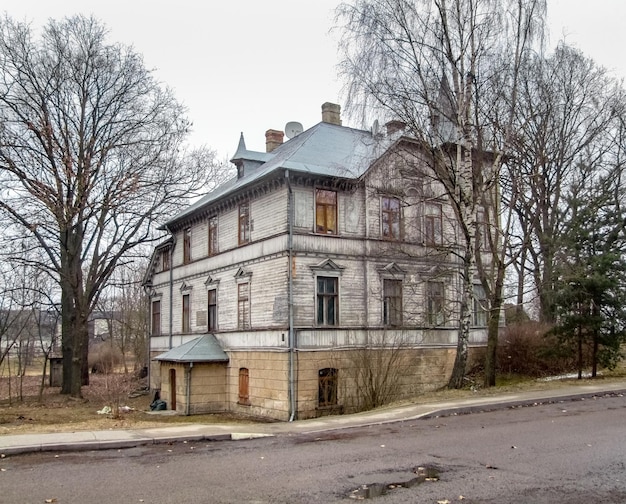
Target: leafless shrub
528 349
105 358
373 373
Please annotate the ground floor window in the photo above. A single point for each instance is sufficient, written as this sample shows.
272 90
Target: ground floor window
327 395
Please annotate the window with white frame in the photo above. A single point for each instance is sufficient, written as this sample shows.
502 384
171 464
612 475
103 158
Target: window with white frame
435 303
390 218
212 310
392 302
479 314
243 305
325 211
327 296
212 232
156 317
433 224
186 326
244 223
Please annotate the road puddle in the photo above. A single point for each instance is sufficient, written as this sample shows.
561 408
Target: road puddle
370 491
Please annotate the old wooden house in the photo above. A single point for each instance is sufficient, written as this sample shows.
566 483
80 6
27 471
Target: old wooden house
321 279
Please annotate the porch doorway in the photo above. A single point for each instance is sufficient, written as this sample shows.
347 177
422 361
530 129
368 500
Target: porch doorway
173 389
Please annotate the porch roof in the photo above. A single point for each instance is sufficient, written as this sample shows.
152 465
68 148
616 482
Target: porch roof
203 349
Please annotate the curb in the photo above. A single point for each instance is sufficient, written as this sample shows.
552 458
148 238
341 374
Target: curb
91 445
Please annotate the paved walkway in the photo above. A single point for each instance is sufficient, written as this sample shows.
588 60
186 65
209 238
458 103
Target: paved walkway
96 440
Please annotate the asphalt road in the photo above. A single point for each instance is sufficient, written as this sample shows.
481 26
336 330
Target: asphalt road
570 452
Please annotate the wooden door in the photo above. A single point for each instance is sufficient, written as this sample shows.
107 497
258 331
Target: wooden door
173 389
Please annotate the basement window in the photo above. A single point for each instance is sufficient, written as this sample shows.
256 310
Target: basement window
327 381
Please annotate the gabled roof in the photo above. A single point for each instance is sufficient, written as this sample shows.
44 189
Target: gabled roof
325 149
203 349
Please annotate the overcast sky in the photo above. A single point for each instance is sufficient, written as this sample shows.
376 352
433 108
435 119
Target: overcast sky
251 65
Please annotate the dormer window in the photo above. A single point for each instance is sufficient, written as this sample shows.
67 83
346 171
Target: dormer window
239 170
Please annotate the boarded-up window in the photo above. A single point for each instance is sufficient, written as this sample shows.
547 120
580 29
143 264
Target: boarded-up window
390 218
325 211
434 302
392 302
243 306
187 246
244 223
327 300
244 386
212 235
186 313
212 310
156 318
327 381
433 225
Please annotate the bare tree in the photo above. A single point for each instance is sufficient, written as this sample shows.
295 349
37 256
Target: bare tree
566 129
91 155
443 67
125 311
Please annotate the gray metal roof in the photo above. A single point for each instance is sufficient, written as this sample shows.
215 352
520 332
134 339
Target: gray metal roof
325 149
203 349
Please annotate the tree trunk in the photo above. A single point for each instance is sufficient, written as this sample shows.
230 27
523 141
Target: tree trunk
494 328
74 313
460 361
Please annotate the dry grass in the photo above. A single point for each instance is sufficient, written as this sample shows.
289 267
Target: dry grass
60 413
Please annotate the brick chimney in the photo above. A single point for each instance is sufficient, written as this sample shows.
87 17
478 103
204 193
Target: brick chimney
273 138
395 125
331 113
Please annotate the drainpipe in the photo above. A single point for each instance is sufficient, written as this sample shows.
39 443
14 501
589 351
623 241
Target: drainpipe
188 386
291 336
171 308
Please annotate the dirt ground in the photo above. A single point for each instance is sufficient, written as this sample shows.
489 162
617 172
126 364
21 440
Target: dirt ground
60 413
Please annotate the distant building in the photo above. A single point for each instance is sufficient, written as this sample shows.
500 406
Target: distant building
332 248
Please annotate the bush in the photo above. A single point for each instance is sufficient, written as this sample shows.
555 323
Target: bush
527 348
104 358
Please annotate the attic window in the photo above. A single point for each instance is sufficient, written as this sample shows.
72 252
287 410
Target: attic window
325 211
239 170
390 218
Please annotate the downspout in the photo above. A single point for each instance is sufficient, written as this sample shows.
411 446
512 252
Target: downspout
171 303
291 335
188 386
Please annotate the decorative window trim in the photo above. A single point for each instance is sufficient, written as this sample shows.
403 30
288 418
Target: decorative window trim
211 282
243 275
392 272
185 287
327 268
